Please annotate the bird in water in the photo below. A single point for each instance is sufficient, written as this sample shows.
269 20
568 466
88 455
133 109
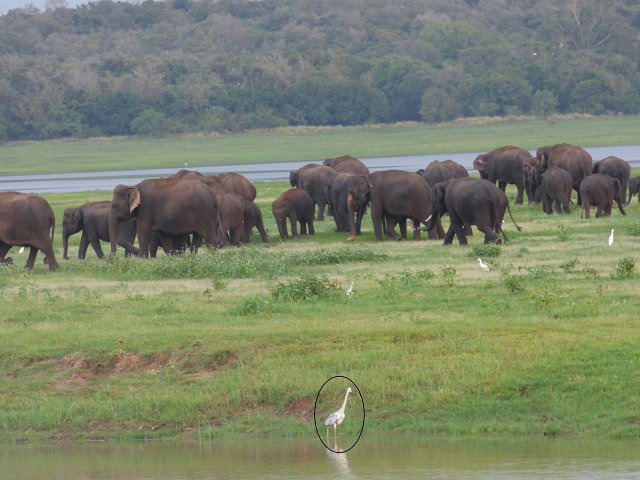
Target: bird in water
336 418
350 291
611 237
483 265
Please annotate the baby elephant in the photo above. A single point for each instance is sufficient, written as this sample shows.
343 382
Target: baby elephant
296 204
556 186
600 190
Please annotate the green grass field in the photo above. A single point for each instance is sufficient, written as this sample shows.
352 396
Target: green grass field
239 341
312 144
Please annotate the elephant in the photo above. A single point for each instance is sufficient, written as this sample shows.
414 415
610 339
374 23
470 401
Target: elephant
634 187
347 164
617 168
253 218
571 158
230 218
441 171
29 221
556 186
601 190
349 196
93 219
472 202
173 206
171 244
504 165
213 181
238 184
296 204
532 171
396 195
313 180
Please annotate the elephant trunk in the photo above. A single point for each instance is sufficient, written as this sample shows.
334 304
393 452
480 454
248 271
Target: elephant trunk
113 234
430 222
620 201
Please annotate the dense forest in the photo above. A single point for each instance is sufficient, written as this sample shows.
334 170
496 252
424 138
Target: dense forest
174 66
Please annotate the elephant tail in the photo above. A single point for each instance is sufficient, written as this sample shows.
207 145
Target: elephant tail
514 222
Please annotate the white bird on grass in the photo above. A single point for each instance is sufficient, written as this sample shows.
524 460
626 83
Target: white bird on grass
350 291
483 265
611 237
336 418
21 250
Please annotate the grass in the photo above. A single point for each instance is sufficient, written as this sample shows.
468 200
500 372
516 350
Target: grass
309 144
238 342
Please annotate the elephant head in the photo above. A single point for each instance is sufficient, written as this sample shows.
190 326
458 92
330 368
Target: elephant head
358 194
596 167
542 154
438 205
480 163
71 223
293 178
532 172
124 203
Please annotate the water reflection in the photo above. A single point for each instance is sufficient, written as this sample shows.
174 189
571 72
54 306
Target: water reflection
387 457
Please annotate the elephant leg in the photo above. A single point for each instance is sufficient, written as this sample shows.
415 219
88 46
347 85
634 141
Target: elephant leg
391 228
448 238
376 219
95 243
489 235
565 207
519 199
84 244
586 207
457 223
440 230
467 230
282 227
143 240
558 206
312 230
402 223
294 225
599 211
4 249
577 189
502 185
33 252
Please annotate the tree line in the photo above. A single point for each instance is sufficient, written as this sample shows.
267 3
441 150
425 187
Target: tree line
176 66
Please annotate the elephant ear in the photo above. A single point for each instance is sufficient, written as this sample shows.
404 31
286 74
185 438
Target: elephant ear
76 217
134 199
439 191
616 186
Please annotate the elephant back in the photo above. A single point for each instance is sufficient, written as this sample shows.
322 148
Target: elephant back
441 171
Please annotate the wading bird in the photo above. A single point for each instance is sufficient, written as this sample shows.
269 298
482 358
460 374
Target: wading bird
611 237
350 291
336 418
483 265
21 250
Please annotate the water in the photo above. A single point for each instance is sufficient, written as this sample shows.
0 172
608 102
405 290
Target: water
74 182
375 457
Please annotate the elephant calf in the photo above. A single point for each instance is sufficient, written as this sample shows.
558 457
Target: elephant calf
600 190
93 219
253 218
634 187
296 204
556 186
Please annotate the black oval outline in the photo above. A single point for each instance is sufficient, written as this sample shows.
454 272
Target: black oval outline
364 414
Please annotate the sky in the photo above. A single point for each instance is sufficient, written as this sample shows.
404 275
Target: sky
6 5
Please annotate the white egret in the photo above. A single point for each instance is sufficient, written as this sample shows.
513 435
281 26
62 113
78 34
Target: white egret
21 250
336 418
483 265
611 237
350 291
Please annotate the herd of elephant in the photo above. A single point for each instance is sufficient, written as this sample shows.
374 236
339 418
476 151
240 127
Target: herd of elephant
181 211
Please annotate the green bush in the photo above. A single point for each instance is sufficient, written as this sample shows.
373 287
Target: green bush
305 287
624 269
484 251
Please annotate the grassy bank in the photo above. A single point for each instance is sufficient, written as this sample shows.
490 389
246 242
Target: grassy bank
312 144
240 341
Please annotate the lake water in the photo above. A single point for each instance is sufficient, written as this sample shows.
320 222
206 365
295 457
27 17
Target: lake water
70 182
375 457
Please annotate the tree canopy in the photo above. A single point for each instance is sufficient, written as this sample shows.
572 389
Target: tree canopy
161 67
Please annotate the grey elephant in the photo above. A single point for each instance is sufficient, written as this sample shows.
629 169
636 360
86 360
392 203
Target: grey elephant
504 165
313 179
472 202
634 188
253 218
173 206
601 190
92 219
297 205
230 219
617 168
349 196
573 159
556 186
27 220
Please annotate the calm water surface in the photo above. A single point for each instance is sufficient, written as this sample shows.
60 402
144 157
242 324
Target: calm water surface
373 458
74 182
